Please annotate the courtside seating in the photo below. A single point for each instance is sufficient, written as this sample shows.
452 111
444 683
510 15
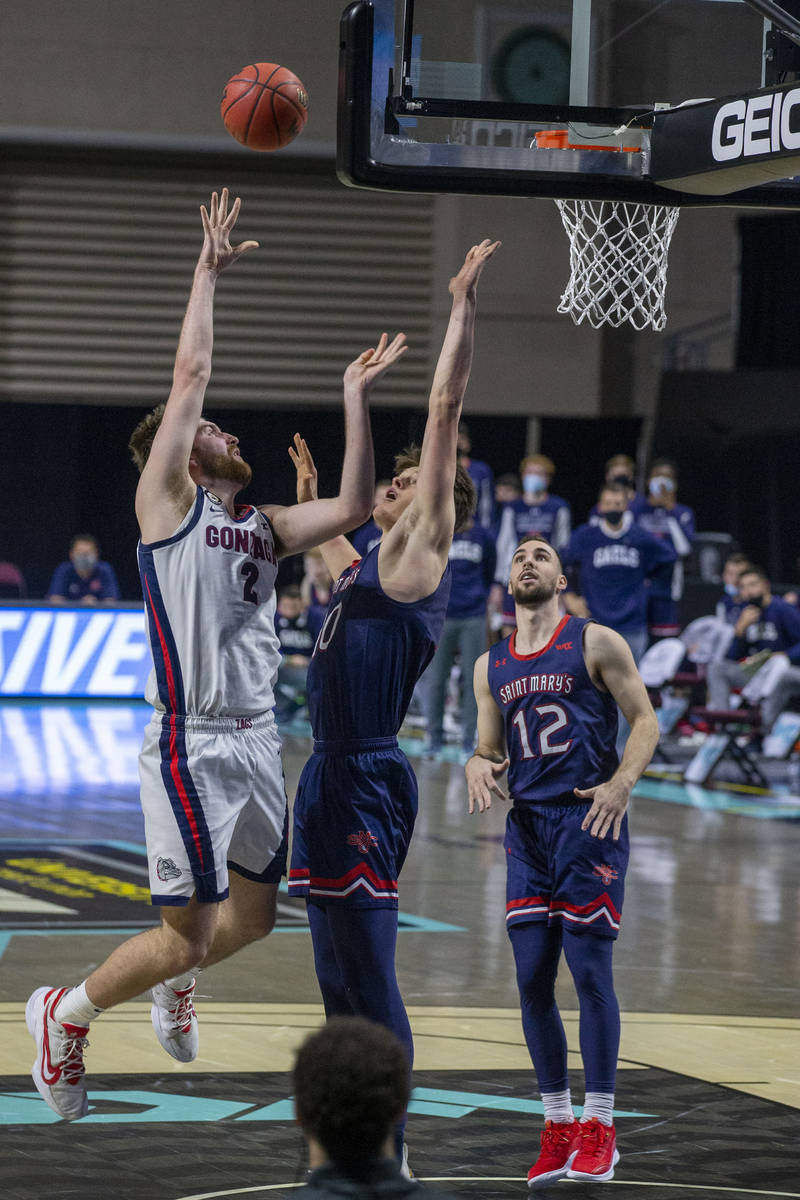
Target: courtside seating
12 582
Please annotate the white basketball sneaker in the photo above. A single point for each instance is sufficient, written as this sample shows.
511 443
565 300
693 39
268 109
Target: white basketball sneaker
58 1071
175 1021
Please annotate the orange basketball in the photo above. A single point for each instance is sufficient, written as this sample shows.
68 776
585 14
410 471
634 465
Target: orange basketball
264 106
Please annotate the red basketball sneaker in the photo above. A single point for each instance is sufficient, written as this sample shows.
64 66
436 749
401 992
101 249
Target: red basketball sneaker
560 1144
598 1154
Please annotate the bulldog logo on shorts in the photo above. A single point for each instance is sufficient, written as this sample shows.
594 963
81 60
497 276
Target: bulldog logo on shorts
607 874
166 869
363 839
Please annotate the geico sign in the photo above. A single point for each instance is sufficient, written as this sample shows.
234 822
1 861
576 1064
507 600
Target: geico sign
760 125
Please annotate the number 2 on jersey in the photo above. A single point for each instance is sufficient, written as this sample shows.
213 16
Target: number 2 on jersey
250 572
545 734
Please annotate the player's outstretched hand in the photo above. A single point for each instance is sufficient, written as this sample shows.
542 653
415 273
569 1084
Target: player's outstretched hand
306 470
370 365
609 801
465 282
217 252
482 776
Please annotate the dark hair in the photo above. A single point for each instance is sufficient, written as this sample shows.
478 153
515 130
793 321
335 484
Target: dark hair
85 537
509 480
751 569
351 1082
737 557
141 441
616 488
291 591
464 494
537 537
664 462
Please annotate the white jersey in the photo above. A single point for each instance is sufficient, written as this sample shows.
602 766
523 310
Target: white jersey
209 598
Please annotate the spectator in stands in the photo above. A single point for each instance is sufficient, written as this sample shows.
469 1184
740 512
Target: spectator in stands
83 579
351 1085
481 475
765 623
537 511
297 627
615 559
663 517
472 563
620 472
729 605
369 534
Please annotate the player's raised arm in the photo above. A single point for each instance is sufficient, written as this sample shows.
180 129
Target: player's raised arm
434 507
610 664
166 490
489 761
300 526
338 553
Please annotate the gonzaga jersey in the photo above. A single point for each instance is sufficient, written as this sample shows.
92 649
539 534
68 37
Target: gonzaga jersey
369 655
209 598
560 729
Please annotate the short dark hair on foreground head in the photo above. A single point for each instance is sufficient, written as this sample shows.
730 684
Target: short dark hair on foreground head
351 1082
537 537
142 437
464 494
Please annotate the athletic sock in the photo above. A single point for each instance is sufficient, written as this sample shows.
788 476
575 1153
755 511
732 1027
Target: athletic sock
558 1107
600 1105
75 1008
180 983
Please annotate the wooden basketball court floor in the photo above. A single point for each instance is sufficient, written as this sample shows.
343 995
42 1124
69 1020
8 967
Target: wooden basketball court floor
708 1096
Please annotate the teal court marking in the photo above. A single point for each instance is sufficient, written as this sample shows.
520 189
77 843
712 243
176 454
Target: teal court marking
407 922
27 1108
768 807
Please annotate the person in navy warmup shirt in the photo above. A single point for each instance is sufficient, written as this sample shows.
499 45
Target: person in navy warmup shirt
472 561
662 516
481 475
766 622
730 603
547 713
83 579
615 558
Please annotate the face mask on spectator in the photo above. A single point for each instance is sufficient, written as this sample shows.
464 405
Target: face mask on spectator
731 589
533 484
85 562
660 484
613 518
622 479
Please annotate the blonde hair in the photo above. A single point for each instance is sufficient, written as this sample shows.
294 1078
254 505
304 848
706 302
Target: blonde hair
464 494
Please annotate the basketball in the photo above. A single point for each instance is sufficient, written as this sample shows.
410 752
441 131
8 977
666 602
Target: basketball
264 106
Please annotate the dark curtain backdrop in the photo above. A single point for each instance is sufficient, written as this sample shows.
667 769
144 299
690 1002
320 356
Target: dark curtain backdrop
769 296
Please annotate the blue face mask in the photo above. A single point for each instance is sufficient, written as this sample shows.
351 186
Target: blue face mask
731 589
660 484
533 484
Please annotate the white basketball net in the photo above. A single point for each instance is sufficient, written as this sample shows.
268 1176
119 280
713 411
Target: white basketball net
618 262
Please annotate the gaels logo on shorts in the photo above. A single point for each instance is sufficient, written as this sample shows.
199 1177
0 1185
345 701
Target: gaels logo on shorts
363 839
607 874
166 869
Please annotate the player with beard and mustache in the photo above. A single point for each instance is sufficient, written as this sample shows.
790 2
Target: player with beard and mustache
547 713
212 788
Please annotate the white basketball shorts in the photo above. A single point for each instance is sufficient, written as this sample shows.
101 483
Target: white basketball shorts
213 796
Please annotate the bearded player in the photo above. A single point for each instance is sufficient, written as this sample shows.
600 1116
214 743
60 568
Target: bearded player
547 713
212 786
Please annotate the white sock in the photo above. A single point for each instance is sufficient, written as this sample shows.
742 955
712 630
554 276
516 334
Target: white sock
179 983
600 1105
558 1107
75 1007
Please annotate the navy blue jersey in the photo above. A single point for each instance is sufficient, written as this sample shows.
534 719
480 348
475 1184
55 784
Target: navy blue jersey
481 475
472 560
777 630
613 571
561 730
369 655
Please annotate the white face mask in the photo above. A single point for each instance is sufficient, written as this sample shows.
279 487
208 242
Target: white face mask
660 484
533 484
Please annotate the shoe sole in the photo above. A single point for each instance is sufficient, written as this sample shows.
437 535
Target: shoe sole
541 1181
42 1087
587 1178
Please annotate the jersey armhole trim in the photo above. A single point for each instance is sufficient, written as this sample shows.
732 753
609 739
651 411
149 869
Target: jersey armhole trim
183 530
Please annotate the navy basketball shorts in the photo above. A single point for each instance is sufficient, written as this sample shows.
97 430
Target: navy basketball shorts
354 816
663 617
559 873
214 798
